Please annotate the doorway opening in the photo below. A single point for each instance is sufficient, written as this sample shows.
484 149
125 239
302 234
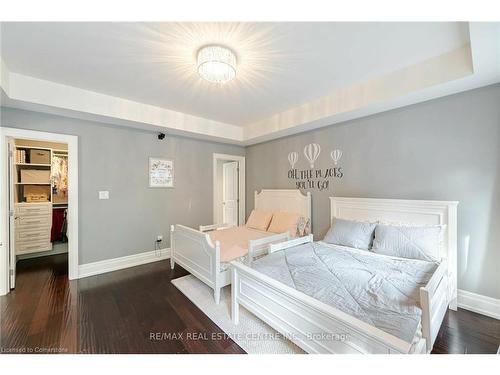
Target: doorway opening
39 201
229 189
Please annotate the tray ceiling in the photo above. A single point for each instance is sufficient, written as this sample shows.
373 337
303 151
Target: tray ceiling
282 67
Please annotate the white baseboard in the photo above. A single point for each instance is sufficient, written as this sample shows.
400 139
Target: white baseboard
109 265
478 303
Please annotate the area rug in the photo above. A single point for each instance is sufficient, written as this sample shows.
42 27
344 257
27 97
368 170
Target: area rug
251 334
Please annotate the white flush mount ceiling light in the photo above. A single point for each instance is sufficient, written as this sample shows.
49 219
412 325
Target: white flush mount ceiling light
216 64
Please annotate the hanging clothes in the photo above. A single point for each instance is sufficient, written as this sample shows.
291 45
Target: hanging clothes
60 176
58 217
64 229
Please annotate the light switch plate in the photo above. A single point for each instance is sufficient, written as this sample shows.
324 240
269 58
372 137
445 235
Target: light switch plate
104 194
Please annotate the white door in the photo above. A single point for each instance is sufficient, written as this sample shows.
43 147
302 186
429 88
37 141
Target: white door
230 193
11 241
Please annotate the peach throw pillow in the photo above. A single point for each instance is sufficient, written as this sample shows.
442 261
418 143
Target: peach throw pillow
284 222
259 220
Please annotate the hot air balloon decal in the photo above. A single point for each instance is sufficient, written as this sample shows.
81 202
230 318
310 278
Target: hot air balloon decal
311 152
292 158
336 155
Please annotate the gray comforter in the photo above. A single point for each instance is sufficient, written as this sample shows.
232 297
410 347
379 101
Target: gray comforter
380 290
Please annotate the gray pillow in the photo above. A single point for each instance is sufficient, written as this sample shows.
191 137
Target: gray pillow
408 242
351 233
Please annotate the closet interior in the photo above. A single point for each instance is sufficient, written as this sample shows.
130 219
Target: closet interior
40 188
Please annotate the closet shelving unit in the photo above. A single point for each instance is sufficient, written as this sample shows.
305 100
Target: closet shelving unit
26 164
33 221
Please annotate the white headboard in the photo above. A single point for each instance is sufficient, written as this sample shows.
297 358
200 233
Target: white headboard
415 212
284 200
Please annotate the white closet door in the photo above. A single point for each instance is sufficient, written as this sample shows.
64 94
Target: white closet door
230 190
12 241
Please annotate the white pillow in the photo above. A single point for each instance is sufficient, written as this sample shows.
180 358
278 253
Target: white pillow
356 234
408 242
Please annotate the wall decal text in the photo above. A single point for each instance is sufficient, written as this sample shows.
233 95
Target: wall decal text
314 178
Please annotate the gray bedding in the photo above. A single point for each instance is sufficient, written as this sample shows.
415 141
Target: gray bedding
377 289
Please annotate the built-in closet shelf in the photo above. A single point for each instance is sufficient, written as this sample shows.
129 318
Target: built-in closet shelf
33 165
33 148
33 183
31 204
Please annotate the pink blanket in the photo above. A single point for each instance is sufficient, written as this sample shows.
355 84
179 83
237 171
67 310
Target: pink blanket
234 241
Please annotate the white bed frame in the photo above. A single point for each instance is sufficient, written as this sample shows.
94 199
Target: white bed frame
313 325
194 250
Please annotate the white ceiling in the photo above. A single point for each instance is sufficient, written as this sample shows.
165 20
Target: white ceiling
289 74
282 65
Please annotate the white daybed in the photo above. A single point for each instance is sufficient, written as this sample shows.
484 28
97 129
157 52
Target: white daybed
195 251
313 325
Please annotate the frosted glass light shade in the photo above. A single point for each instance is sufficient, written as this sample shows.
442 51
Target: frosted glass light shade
216 64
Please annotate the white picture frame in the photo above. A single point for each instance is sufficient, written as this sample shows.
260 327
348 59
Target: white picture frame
161 173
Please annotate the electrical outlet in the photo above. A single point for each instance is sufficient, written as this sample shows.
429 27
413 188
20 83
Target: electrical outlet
159 238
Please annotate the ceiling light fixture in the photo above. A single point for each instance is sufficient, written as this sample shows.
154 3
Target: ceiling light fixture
216 64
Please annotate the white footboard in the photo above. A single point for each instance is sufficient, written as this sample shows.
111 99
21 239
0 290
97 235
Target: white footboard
309 323
263 245
196 253
434 303
208 228
291 243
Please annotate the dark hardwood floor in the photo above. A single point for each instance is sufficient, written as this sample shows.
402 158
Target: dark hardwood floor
138 310
128 311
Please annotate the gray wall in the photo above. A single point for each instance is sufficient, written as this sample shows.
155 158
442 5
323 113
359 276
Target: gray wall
116 159
445 149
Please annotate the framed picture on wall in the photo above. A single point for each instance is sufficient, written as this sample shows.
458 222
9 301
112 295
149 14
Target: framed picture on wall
161 173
